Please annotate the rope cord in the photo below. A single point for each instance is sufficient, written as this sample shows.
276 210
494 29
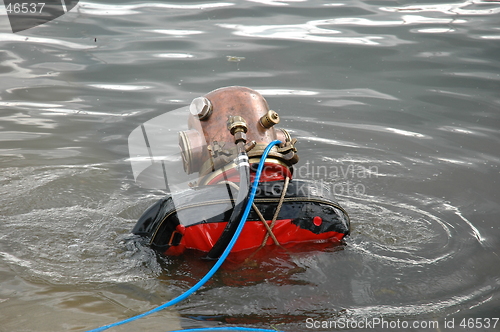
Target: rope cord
264 222
217 264
278 209
257 211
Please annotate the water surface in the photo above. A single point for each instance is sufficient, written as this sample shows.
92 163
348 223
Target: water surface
398 100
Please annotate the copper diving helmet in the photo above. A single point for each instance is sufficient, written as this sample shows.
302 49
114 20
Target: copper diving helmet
209 145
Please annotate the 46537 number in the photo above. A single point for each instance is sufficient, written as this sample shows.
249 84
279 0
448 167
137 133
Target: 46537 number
25 8
478 323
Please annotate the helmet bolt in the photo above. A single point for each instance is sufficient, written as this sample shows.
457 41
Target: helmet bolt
201 107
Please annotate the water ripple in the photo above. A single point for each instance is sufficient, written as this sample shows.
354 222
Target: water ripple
325 93
117 9
450 9
276 2
480 296
177 32
405 20
44 41
174 55
120 87
311 31
402 233
286 92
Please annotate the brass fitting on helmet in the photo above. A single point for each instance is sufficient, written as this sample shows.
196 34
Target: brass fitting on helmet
237 126
269 119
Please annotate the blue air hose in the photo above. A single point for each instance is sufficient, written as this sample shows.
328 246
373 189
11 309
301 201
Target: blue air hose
216 265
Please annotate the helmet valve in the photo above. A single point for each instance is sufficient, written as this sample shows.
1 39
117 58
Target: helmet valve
238 128
269 119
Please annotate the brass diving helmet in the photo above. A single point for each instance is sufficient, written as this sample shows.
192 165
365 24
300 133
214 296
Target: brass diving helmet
208 146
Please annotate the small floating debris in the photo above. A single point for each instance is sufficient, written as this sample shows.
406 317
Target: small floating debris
231 58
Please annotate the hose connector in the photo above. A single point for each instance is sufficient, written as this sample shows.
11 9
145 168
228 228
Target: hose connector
238 128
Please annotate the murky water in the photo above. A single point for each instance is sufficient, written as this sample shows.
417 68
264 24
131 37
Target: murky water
399 102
